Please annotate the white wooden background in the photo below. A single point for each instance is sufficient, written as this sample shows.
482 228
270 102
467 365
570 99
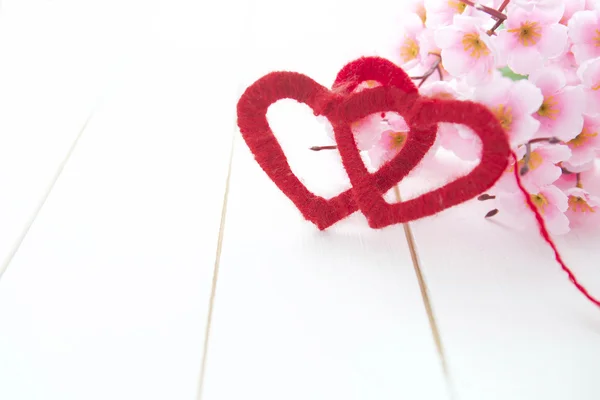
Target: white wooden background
141 264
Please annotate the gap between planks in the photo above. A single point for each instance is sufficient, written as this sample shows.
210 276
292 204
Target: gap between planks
435 331
213 289
36 212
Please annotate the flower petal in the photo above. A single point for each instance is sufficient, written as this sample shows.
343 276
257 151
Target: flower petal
525 60
526 97
557 197
553 41
550 80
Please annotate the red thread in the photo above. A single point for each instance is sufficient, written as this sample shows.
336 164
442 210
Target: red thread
546 235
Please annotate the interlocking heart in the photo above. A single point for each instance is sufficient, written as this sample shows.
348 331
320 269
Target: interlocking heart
341 106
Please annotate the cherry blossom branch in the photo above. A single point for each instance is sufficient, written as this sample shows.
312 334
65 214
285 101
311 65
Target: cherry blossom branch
435 67
503 5
497 15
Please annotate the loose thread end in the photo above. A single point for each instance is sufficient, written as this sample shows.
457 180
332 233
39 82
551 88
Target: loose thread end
546 236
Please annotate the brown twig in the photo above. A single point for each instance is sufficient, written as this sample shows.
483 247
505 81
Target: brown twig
578 180
319 148
429 72
497 15
550 140
526 159
503 5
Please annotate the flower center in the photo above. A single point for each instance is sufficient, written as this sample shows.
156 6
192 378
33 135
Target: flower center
582 138
596 87
597 38
529 33
397 140
549 108
539 201
458 6
371 84
442 95
472 43
409 49
535 160
577 204
504 115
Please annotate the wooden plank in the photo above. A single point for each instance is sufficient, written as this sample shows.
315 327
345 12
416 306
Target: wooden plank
303 314
107 297
512 324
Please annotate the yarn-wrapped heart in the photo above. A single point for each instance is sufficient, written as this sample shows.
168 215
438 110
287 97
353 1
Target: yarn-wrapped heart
341 110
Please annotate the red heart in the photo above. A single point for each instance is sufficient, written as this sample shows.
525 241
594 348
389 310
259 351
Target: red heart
337 107
425 112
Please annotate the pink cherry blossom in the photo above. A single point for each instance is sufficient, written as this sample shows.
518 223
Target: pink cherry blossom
530 38
441 12
467 50
407 50
391 141
584 31
589 73
561 112
550 202
542 168
585 145
513 103
589 179
584 208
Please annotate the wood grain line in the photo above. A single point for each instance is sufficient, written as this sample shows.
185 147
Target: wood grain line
215 278
17 245
437 338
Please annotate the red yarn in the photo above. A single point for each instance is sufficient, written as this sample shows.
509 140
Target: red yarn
398 94
546 235
372 69
341 110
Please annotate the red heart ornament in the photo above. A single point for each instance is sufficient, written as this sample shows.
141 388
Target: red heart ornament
341 110
425 112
